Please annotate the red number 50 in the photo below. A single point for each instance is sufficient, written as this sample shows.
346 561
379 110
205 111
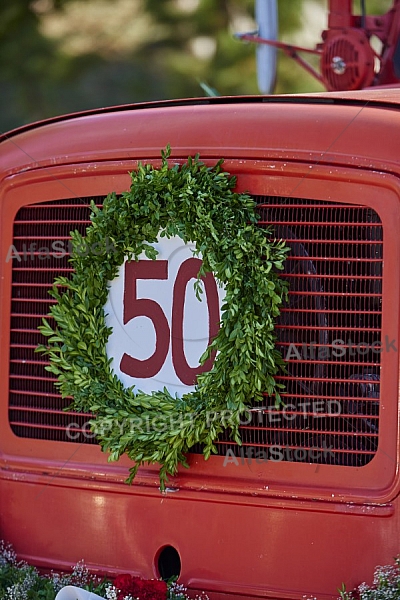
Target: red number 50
144 307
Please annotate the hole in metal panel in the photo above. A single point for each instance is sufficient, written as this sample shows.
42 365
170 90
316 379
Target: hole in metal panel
168 563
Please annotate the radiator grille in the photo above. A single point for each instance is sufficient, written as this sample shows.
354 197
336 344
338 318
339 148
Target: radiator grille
330 332
36 410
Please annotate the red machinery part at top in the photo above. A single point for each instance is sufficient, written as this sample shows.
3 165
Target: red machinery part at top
340 14
390 64
347 61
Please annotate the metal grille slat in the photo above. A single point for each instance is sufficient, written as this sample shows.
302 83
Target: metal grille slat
36 410
335 274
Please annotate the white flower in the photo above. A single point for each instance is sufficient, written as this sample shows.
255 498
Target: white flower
111 592
7 555
21 589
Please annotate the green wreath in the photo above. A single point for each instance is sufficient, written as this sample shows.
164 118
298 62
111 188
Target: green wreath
198 204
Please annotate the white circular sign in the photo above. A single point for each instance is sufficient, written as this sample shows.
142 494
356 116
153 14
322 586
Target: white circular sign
160 328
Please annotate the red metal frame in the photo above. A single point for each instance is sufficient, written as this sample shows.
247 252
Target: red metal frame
277 530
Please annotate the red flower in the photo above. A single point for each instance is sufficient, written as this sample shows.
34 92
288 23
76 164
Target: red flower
154 590
123 583
140 588
159 586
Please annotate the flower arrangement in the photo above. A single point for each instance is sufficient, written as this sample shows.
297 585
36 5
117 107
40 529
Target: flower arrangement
20 581
135 587
127 587
385 586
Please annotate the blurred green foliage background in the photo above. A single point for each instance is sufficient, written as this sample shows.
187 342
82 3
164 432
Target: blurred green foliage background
59 56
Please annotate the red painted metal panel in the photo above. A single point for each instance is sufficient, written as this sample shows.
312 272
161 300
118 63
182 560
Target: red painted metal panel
254 546
359 134
256 528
